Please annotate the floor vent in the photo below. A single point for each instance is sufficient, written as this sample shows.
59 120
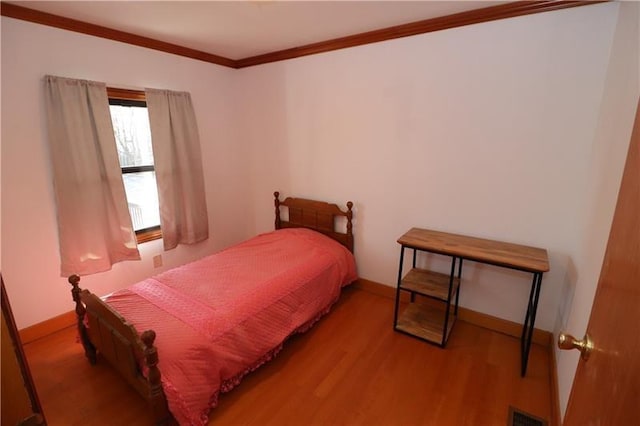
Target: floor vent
520 418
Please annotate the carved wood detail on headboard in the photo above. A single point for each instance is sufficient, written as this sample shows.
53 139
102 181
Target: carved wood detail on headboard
317 215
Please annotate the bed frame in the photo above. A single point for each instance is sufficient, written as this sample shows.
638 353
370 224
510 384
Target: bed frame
102 330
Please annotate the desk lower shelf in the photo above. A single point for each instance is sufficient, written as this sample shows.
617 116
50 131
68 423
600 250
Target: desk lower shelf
425 322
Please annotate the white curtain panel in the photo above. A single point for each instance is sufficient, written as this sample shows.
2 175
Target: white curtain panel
178 165
94 226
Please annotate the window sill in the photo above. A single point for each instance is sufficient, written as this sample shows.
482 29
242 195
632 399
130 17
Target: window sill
147 235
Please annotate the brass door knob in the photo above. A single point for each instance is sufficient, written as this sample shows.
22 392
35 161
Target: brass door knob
585 346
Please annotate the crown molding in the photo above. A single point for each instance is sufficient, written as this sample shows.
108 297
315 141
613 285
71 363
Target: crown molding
486 14
492 13
11 10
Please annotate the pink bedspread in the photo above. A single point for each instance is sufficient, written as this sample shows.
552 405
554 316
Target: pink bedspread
221 317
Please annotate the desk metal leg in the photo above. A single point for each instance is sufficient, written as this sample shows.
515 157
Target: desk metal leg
395 312
413 265
459 285
448 309
529 321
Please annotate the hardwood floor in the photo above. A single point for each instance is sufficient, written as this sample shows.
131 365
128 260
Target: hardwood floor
350 369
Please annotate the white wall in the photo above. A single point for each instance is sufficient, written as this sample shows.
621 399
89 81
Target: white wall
485 130
30 260
606 162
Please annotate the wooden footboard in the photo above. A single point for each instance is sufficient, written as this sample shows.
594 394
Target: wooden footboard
102 330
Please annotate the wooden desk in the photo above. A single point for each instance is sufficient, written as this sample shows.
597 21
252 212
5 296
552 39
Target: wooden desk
435 327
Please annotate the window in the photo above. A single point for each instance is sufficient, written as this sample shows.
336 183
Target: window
133 141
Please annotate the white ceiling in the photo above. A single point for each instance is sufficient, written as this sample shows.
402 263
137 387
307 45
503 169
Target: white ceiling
245 28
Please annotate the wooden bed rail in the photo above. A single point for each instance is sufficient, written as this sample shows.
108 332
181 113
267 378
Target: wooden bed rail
102 330
316 215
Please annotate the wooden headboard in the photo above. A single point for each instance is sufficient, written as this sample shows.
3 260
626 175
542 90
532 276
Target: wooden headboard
316 215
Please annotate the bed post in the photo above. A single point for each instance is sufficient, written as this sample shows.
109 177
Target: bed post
89 349
157 399
277 204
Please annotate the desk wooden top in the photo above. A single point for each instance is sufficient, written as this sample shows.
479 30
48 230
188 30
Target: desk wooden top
509 255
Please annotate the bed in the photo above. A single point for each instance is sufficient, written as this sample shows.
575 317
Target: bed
210 322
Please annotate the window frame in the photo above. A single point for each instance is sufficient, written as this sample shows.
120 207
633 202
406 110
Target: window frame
128 97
